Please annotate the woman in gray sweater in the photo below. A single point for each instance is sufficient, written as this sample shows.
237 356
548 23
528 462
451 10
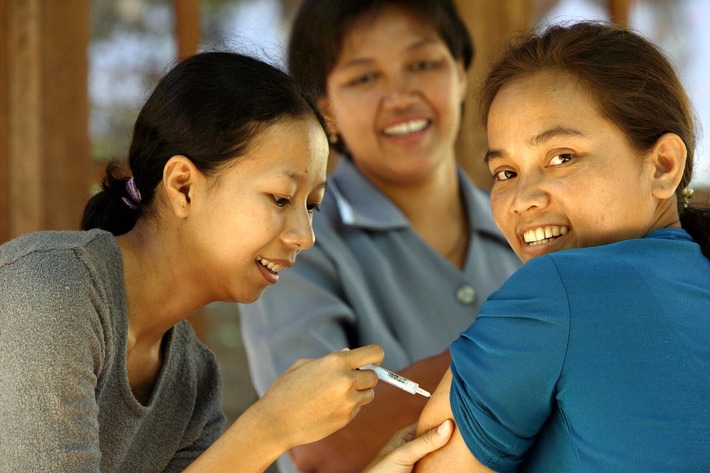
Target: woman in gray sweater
100 369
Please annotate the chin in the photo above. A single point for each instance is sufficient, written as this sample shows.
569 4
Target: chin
249 298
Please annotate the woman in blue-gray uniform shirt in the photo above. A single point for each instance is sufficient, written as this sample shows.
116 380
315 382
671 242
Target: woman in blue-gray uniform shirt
406 248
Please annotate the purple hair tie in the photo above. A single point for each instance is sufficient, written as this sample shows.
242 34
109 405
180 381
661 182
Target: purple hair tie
133 194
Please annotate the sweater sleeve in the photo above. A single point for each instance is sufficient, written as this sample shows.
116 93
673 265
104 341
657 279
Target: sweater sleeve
199 368
51 351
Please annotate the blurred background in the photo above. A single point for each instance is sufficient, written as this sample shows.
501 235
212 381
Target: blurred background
74 73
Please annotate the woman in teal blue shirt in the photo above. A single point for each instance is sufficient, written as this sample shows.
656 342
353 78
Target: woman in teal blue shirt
595 355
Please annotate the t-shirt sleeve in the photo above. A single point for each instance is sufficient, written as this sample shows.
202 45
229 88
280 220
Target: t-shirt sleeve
50 352
506 365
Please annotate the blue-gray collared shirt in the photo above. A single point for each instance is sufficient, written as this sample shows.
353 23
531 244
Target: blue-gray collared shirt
370 278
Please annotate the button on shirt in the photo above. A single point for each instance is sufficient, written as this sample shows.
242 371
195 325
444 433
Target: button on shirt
466 295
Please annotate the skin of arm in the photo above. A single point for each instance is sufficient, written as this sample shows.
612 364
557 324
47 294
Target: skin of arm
455 455
351 448
309 401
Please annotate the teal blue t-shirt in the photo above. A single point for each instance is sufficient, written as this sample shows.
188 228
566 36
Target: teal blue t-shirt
593 359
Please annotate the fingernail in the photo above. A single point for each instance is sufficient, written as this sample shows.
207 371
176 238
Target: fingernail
444 427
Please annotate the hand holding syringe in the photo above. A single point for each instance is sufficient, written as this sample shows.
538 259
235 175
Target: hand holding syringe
396 380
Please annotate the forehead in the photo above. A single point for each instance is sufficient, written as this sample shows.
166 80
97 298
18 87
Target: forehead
395 24
541 99
291 147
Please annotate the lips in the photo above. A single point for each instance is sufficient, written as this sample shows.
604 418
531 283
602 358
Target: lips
274 268
407 127
542 235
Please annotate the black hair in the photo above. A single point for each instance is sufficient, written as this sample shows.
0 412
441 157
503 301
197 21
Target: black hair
209 108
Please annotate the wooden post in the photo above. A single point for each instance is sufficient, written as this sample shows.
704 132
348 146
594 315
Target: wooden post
619 11
44 138
5 22
188 35
188 29
491 24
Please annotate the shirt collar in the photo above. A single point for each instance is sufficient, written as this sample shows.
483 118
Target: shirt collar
362 204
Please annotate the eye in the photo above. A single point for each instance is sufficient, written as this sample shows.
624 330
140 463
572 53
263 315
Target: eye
363 79
423 65
561 159
504 175
281 201
313 208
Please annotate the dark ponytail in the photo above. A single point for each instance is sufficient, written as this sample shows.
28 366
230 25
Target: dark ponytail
107 209
696 221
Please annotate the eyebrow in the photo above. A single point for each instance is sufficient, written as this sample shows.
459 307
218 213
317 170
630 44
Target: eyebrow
416 45
299 177
541 137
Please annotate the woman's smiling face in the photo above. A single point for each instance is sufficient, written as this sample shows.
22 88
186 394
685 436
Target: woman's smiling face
255 219
395 96
565 176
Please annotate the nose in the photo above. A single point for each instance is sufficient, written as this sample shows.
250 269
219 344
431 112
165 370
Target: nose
530 194
298 233
399 93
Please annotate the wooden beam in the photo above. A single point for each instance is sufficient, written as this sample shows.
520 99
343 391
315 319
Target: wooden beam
619 11
188 36
491 24
4 126
45 124
188 27
24 122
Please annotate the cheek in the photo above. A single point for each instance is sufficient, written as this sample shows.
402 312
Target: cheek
352 120
500 209
447 94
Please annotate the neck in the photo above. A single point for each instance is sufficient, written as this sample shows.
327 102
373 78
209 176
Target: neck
155 298
433 204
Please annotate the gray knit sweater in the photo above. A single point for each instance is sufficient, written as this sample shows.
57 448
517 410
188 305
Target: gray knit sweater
65 402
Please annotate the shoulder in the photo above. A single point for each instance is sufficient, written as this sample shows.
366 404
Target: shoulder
55 256
53 300
608 262
59 278
51 247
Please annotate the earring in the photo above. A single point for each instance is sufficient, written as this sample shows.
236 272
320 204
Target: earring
333 139
687 195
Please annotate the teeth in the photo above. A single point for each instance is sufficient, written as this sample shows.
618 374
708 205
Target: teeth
543 235
406 127
273 267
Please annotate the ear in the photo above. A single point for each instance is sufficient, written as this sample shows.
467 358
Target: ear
668 159
326 110
179 175
463 80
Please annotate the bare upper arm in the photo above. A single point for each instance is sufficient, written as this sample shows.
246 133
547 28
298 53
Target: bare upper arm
455 455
